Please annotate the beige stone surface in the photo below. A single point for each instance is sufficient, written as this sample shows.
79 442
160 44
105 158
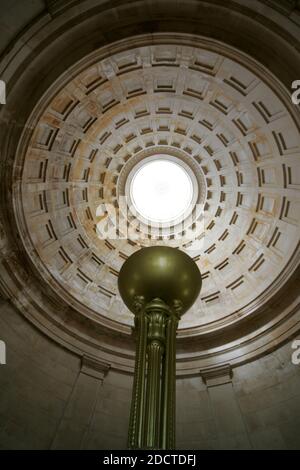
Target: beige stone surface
48 402
79 108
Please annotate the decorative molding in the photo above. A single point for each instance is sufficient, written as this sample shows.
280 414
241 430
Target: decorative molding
286 7
218 375
56 6
94 368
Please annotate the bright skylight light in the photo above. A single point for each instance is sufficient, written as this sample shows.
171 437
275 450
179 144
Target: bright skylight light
161 191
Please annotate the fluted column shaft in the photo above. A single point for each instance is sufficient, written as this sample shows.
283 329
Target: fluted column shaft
157 316
168 421
153 395
136 421
152 418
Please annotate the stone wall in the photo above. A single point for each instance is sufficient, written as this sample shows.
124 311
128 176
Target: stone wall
14 17
258 408
52 399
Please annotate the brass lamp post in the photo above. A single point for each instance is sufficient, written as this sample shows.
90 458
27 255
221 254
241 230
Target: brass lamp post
158 284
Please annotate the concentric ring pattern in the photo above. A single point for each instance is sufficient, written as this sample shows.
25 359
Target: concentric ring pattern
209 104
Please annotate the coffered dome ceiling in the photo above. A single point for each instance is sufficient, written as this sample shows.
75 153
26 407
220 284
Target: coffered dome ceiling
197 102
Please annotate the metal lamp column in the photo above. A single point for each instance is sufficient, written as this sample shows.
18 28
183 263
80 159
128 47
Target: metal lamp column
152 416
158 284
